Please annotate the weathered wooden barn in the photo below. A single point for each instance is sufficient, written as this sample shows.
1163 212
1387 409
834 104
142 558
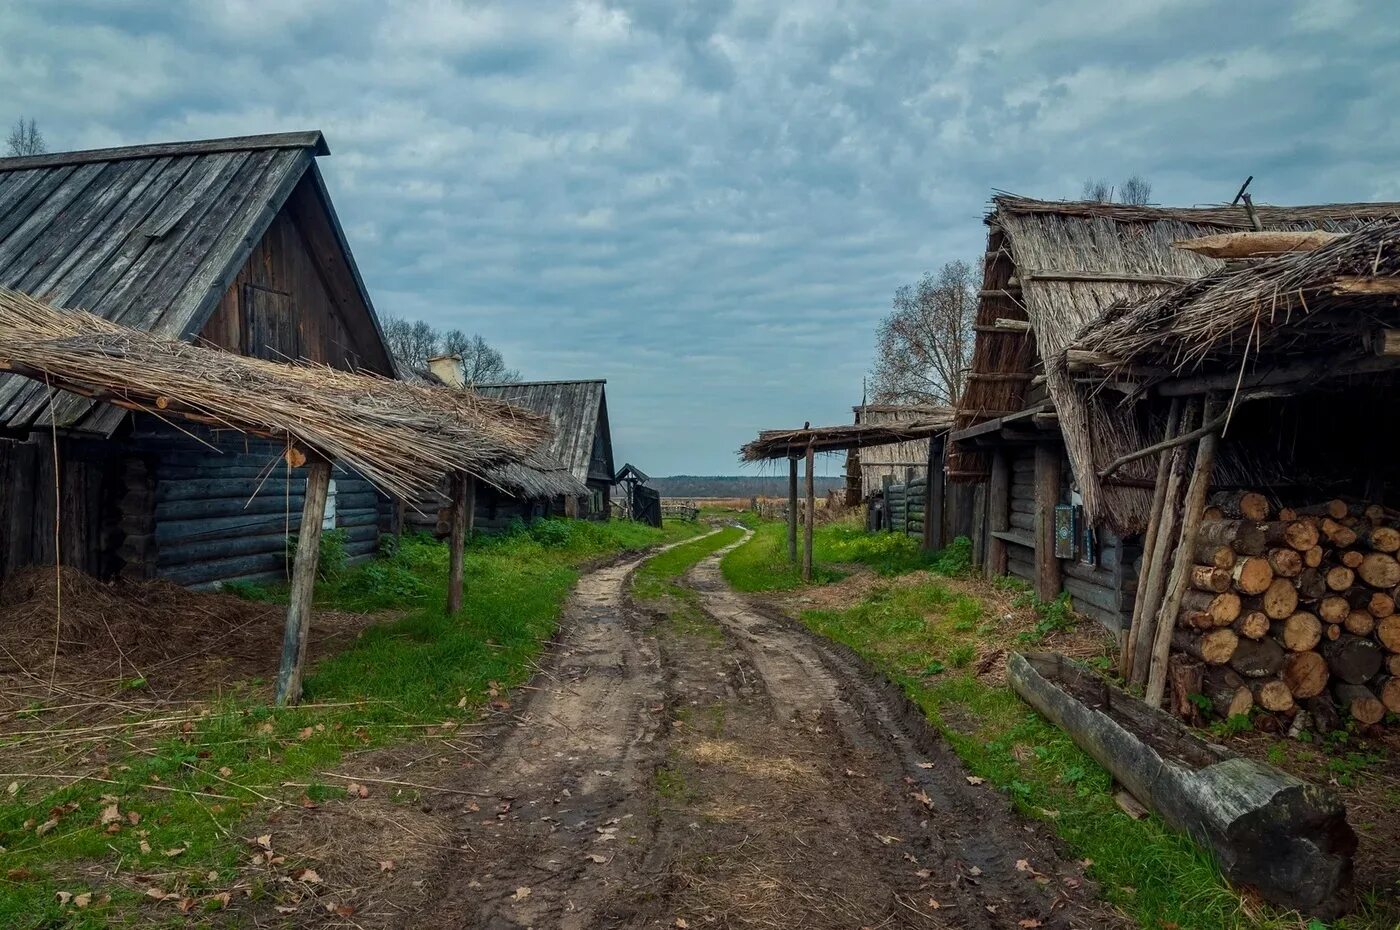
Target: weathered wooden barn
1028 433
869 468
582 444
231 242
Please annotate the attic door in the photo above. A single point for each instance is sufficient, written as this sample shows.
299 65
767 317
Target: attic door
270 324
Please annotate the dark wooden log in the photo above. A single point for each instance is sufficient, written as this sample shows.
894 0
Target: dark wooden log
1257 658
1324 713
1209 578
1305 674
1252 624
1352 659
1285 837
811 516
1224 607
457 541
1185 677
1242 505
1310 584
1212 554
1214 647
1388 690
1381 539
1047 495
1285 562
1359 701
1272 695
318 477
998 513
1388 632
1228 693
1299 633
792 510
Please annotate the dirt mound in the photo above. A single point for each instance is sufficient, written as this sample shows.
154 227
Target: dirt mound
178 642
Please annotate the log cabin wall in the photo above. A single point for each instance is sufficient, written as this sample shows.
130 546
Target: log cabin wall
84 510
224 513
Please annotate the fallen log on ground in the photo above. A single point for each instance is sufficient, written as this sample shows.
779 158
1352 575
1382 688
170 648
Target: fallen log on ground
1287 838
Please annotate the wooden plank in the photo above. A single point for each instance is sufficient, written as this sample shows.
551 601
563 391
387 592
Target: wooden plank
998 513
792 510
1114 277
55 229
811 517
1047 495
1015 538
318 476
312 140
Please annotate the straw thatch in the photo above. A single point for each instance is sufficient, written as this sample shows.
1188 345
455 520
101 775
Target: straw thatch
402 437
1060 266
1266 309
784 443
893 459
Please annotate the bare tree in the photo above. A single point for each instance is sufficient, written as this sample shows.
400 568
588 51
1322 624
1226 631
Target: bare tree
413 342
1136 190
25 139
924 346
1097 190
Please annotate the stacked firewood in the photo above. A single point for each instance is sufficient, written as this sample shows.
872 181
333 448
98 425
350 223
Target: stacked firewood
1293 610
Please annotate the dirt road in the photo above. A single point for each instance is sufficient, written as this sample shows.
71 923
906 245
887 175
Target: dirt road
708 766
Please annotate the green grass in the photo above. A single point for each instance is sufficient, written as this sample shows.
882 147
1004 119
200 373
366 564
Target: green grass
762 564
424 668
658 575
924 637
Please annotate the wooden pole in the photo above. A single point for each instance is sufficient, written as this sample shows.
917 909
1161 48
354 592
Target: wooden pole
298 629
1191 511
937 494
1157 564
792 510
811 517
998 514
458 542
1047 495
1159 492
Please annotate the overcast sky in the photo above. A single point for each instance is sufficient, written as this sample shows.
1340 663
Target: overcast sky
710 204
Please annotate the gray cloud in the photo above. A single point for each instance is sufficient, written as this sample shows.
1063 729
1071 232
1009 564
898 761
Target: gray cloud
710 204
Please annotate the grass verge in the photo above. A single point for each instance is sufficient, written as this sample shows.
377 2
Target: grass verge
763 565
926 637
164 810
657 583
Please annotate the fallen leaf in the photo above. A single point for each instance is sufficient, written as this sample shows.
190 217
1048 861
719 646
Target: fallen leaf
12 789
922 797
1085 863
1029 923
339 910
521 893
186 905
595 857
991 908
924 873
308 876
63 897
356 790
110 814
20 874
974 871
462 702
682 923
306 732
145 847
222 899
1023 866
975 779
387 865
925 765
82 900
284 909
887 840
157 893
133 818
933 904
265 841
46 826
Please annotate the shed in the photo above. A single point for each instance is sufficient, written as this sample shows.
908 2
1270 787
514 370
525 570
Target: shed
1024 427
582 444
894 461
232 243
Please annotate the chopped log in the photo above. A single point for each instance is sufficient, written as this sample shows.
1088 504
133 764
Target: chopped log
1380 605
1279 602
1360 623
1338 534
1261 658
1352 659
1209 578
1310 584
1392 664
1312 558
1242 505
1272 694
1388 690
1252 575
1299 534
1185 677
1332 631
1228 693
1305 674
1212 513
1382 539
1287 514
1388 632
1214 647
1133 644
1283 836
1379 570
1324 713
1337 508
1359 701
1223 607
1252 624
1299 633
1195 620
1256 243
1243 536
1286 563
1333 608
1218 556
1302 722
1339 578
1352 559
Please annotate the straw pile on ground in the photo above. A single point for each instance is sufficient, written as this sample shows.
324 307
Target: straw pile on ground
402 437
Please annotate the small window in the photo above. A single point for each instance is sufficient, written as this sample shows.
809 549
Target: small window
270 328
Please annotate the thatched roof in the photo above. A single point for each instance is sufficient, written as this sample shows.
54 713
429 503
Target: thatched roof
403 437
1060 266
785 443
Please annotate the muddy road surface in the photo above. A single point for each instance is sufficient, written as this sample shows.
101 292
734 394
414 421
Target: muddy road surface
702 764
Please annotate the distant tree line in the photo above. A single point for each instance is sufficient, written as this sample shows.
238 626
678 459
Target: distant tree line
413 342
735 485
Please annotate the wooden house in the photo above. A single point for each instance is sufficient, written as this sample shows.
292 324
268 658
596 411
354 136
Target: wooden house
582 444
231 242
1027 433
875 466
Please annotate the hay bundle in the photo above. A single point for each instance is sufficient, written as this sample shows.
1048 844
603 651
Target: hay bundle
400 436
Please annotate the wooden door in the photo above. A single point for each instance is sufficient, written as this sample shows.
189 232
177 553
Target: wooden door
270 328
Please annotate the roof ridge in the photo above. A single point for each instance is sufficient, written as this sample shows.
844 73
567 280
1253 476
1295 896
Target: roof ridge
308 139
497 384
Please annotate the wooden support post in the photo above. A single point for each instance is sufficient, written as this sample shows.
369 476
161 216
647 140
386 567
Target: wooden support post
1191 510
458 542
811 517
792 510
998 514
1047 495
1127 657
933 506
294 637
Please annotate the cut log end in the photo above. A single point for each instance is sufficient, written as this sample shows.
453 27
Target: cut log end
1305 674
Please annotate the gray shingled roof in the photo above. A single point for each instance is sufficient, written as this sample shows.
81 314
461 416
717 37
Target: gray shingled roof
147 236
574 409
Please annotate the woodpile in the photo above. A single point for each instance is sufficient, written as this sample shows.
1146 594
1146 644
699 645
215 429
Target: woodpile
1293 611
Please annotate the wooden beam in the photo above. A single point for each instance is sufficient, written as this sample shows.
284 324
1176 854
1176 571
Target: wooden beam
298 628
998 514
1128 648
1004 294
1330 366
1000 376
792 510
1357 285
462 518
1047 495
1387 342
1254 244
811 517
936 495
1107 277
